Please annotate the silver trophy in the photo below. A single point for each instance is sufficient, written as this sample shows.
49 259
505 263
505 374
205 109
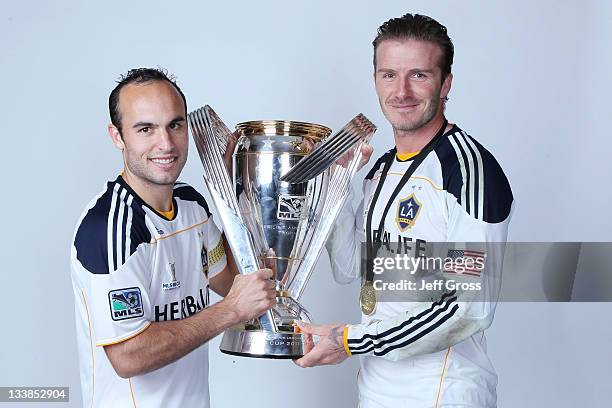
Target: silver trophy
277 210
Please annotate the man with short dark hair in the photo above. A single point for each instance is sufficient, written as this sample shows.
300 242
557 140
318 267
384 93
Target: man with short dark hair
437 185
145 252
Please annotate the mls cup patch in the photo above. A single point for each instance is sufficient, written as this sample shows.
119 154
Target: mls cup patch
125 303
173 283
407 212
291 208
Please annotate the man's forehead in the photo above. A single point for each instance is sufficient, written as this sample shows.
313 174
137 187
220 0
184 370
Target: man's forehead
156 89
408 50
154 97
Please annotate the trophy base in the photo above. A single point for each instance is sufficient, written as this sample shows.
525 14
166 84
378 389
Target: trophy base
238 341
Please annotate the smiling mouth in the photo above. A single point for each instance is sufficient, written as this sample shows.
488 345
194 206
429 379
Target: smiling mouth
163 160
404 105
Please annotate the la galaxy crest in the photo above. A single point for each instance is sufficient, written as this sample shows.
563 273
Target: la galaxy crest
408 210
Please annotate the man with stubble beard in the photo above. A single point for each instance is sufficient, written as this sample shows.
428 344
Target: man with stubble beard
146 251
436 185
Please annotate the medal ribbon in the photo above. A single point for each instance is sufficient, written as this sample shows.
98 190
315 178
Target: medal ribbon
372 250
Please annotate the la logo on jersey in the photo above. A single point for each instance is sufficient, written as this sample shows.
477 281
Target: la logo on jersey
125 303
174 283
407 212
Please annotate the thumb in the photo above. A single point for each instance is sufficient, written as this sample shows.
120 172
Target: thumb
308 328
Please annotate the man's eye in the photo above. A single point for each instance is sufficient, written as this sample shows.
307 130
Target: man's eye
387 75
145 130
420 75
175 126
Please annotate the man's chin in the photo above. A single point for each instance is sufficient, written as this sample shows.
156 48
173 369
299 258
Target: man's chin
409 125
165 180
406 126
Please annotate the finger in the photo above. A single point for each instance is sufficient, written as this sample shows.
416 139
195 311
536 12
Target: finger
351 154
308 343
302 362
366 153
264 273
365 157
308 328
303 326
311 359
270 302
367 150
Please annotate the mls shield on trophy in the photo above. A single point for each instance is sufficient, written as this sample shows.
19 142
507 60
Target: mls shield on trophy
277 210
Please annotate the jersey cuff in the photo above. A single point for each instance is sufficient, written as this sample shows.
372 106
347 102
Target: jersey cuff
110 342
345 340
217 259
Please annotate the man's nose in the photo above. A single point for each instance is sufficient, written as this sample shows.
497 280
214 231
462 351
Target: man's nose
166 142
403 87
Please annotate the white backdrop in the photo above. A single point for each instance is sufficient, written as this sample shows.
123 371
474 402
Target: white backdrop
530 83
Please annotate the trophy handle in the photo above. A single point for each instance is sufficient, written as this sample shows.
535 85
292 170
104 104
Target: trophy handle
221 191
220 130
239 240
338 191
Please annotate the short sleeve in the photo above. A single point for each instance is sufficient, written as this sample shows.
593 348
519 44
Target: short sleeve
118 303
111 267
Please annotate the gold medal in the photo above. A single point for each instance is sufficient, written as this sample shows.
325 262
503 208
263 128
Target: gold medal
367 298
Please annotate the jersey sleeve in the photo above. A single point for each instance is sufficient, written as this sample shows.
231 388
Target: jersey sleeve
213 251
118 303
111 268
479 205
343 244
462 306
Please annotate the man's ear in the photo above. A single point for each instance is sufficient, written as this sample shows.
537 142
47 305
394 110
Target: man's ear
115 136
446 86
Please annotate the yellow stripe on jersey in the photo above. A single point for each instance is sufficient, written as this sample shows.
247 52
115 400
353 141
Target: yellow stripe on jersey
345 341
168 214
126 339
442 377
159 238
406 156
216 253
132 392
93 360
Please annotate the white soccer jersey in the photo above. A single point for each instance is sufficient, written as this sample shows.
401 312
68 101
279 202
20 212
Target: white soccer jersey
131 266
430 354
